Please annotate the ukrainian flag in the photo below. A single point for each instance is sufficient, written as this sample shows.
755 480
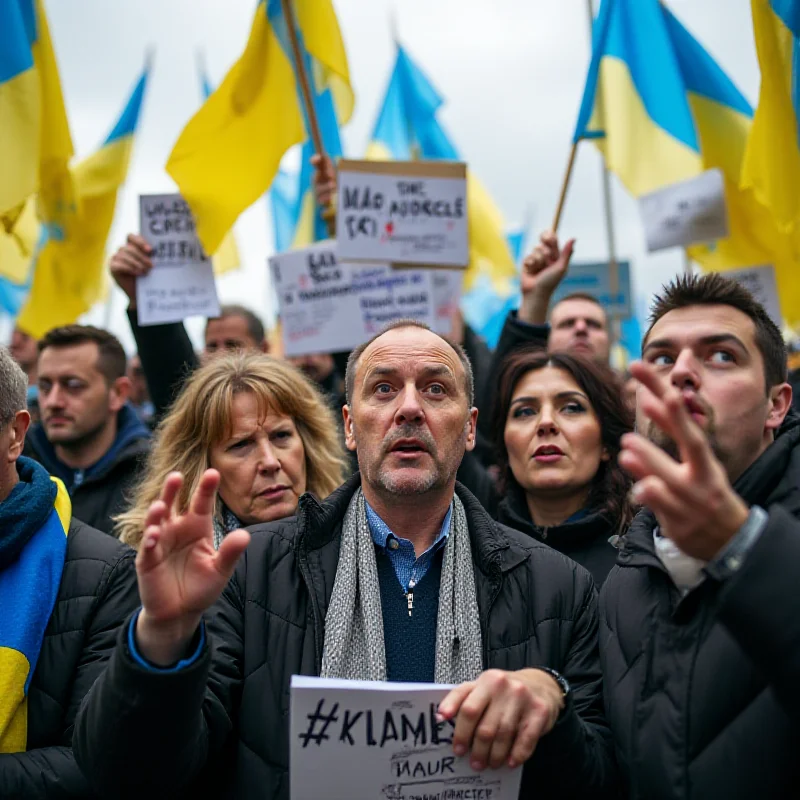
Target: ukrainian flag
661 110
229 153
29 586
407 128
69 273
19 234
772 159
283 200
226 259
34 135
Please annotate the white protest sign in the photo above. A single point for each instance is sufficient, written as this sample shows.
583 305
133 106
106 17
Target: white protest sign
685 213
181 283
329 306
762 284
411 212
447 287
381 741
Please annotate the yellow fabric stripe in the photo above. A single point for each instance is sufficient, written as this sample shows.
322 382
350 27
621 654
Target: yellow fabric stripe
21 115
18 242
63 505
14 669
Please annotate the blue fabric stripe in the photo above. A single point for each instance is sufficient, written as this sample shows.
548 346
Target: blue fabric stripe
128 120
701 74
182 664
788 12
391 128
283 199
17 37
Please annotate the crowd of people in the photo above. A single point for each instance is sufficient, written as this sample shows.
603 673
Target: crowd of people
605 577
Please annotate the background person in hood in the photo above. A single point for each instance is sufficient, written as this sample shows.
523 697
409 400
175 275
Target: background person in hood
89 436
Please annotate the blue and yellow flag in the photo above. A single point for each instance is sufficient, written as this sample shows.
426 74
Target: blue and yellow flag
661 111
772 160
69 271
35 143
226 259
283 197
229 153
28 592
18 238
407 128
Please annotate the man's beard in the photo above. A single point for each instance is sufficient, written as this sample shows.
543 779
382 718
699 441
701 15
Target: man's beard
654 434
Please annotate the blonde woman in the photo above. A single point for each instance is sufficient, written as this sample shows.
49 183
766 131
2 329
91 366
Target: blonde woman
262 425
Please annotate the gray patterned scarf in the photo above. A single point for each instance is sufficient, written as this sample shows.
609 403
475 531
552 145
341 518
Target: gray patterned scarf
224 523
354 645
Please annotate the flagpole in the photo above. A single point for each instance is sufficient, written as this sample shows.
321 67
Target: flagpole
328 213
608 209
564 187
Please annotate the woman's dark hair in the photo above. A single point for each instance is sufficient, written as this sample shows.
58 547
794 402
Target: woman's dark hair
601 385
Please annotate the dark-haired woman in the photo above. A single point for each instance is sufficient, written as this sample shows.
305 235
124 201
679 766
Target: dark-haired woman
558 423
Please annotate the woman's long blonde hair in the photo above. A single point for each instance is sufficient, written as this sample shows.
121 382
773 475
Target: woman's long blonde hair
202 416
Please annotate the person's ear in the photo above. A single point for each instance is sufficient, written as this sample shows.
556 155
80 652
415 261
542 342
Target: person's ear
472 429
349 429
18 428
119 394
780 401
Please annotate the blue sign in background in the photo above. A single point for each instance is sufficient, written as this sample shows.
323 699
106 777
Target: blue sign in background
593 278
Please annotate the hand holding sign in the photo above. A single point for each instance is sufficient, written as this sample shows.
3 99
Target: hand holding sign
131 261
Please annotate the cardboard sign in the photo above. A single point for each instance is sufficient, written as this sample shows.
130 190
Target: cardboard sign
690 212
381 741
181 283
329 306
403 212
594 279
762 284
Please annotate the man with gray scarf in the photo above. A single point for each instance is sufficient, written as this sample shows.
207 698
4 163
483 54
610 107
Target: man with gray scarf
400 575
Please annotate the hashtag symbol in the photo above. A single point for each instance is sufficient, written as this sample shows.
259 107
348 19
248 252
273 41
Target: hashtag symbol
321 720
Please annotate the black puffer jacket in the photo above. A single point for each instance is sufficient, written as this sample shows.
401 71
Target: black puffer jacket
96 594
584 540
537 608
703 693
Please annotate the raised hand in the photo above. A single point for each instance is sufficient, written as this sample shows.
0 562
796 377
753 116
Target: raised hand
542 271
130 262
324 180
180 574
692 499
501 716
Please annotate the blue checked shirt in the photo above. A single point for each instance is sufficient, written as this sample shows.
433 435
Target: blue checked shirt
406 565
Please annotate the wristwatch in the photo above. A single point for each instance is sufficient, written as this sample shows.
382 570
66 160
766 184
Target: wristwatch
558 678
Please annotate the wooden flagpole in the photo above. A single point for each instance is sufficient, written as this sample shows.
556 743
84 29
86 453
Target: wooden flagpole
564 187
328 213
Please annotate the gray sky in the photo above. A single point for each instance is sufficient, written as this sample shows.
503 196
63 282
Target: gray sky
511 72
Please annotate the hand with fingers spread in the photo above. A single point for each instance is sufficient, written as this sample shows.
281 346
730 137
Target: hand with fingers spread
131 261
324 180
542 272
693 500
501 716
180 574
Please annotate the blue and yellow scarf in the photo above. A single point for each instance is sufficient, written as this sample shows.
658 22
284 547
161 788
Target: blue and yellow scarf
34 523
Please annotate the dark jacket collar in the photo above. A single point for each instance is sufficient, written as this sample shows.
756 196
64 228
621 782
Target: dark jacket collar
774 477
320 523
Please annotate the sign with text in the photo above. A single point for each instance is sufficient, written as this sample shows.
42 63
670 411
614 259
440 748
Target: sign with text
181 283
330 306
381 741
762 284
412 212
594 279
685 213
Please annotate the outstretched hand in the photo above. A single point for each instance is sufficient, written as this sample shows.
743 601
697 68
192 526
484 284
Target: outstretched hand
542 271
180 574
692 499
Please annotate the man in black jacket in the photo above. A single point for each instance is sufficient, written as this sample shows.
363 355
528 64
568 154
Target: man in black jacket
445 594
700 619
89 436
62 599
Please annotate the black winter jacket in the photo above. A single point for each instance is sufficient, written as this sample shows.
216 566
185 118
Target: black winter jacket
230 710
96 594
584 540
703 692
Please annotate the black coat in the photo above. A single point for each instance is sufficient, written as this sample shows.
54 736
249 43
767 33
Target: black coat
585 540
537 608
96 594
703 692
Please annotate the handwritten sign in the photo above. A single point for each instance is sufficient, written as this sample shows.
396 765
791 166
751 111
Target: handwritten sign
685 213
181 283
329 306
403 212
762 284
381 741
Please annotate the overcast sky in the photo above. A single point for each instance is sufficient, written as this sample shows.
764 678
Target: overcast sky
511 72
